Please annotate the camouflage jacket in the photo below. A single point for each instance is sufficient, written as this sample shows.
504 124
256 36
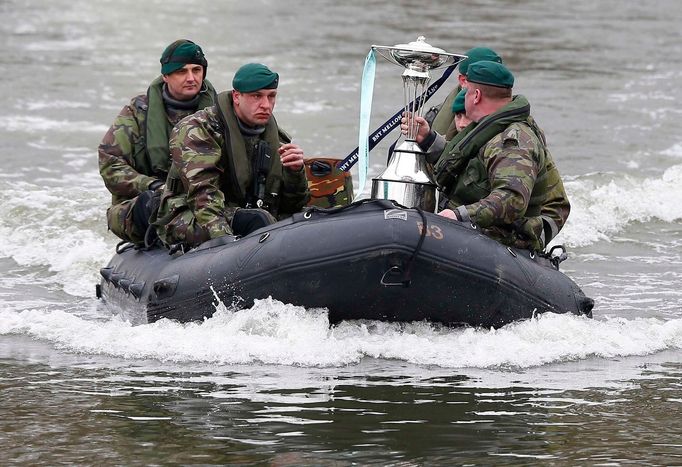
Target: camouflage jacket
212 175
124 160
510 187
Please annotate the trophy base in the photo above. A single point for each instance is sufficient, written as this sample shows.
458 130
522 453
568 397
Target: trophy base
408 194
407 180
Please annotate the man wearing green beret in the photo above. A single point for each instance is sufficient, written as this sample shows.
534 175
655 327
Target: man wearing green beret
233 169
461 120
442 119
497 173
134 155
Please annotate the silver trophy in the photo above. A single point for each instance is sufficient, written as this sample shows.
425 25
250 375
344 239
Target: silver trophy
407 178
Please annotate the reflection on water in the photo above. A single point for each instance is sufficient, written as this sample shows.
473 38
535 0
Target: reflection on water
96 412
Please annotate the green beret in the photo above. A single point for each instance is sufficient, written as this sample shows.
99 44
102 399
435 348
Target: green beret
180 53
253 77
490 73
458 103
476 55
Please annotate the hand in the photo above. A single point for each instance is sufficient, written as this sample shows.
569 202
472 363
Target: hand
291 156
449 213
423 128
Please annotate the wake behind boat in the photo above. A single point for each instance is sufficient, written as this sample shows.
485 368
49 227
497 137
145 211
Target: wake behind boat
370 260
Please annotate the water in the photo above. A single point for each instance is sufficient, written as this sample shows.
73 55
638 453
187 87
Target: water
274 384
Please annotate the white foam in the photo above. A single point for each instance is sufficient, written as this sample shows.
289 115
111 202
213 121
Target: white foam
598 210
673 151
41 144
307 107
273 333
61 229
29 124
648 86
76 44
51 104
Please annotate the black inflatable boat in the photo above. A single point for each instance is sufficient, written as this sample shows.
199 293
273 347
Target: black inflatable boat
371 260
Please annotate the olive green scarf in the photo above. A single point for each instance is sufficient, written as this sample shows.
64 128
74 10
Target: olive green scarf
158 127
237 160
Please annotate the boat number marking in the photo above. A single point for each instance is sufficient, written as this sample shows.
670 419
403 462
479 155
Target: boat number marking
431 231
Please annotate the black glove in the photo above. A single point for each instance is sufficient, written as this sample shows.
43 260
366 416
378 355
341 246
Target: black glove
246 221
155 185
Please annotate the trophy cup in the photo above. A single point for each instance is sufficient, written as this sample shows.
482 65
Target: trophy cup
407 178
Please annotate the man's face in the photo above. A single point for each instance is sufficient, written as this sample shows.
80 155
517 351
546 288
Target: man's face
254 108
461 121
185 83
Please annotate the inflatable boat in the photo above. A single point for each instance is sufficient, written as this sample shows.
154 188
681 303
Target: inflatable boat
370 260
389 258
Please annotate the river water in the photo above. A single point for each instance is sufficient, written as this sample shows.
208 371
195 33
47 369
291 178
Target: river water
274 384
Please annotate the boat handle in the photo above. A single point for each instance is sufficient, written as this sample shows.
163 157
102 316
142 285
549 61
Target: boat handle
394 269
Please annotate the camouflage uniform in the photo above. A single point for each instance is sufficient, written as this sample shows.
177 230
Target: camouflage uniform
134 153
211 176
500 175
